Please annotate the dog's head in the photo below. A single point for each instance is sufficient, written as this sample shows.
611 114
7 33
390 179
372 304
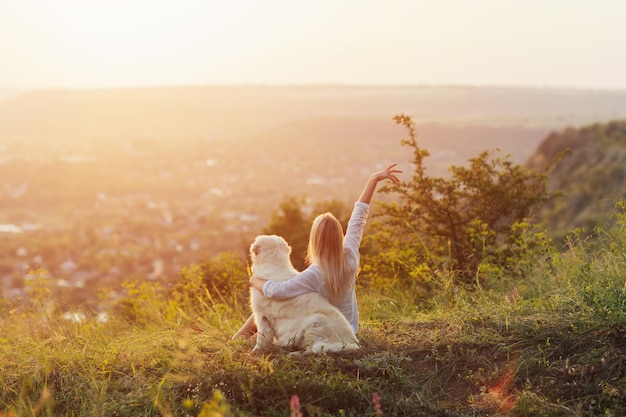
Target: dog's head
269 247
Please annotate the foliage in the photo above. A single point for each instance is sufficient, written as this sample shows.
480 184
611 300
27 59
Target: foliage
553 344
455 224
590 177
142 303
291 223
225 275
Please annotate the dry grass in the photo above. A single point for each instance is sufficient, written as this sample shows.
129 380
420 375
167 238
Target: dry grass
554 344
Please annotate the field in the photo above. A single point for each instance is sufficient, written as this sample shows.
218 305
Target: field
125 218
105 186
552 344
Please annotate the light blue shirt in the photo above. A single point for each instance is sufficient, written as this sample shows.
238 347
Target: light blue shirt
312 279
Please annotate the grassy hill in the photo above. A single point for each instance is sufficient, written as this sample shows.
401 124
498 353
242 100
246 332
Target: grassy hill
103 184
590 177
551 344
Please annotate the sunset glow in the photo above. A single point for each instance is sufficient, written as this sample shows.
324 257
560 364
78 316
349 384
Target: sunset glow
70 43
147 145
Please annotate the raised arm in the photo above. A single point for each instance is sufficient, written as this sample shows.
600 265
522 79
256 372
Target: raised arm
386 174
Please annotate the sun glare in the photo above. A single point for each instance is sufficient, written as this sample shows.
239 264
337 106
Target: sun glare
110 42
114 37
100 43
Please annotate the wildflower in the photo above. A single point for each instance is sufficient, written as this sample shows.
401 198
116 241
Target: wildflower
295 406
376 401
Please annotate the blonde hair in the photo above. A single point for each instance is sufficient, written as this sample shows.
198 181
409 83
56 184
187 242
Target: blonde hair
326 251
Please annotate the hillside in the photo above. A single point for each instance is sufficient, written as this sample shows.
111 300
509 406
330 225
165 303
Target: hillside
116 297
103 186
553 343
590 177
239 112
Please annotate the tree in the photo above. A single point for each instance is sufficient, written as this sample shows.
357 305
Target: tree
455 223
291 223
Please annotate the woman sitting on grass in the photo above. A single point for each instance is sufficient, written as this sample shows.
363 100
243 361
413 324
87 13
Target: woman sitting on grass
333 260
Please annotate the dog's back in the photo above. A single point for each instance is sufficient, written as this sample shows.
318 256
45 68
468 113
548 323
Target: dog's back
307 321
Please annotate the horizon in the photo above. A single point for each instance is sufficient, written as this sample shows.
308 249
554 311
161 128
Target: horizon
70 44
20 90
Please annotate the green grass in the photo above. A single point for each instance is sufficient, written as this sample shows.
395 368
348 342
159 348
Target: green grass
553 344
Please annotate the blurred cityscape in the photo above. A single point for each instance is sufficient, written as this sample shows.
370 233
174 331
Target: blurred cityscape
103 187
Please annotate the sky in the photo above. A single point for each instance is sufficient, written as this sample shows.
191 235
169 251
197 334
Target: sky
123 43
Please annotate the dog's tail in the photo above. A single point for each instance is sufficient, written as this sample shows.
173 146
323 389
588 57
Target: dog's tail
321 336
329 347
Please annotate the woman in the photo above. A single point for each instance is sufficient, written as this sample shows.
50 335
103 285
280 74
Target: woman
333 259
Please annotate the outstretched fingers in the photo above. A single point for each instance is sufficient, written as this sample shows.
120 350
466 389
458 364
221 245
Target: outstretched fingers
390 172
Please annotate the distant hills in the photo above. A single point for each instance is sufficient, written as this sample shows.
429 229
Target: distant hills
235 112
101 186
454 122
295 138
591 177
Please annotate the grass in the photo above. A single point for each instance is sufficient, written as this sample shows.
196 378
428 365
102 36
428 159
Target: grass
553 344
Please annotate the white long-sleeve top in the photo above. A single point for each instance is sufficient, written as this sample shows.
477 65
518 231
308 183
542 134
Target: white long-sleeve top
312 279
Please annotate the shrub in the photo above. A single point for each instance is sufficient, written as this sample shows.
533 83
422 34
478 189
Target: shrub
474 218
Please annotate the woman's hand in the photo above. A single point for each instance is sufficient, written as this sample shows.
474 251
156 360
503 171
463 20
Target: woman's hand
388 173
257 283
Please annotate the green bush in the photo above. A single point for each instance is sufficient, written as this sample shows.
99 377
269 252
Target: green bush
458 224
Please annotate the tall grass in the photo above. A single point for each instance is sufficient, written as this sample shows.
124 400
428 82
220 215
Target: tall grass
553 343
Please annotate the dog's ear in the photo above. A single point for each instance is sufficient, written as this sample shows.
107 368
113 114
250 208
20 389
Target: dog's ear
287 248
255 248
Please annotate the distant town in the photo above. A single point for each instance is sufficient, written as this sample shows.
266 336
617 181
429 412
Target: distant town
104 187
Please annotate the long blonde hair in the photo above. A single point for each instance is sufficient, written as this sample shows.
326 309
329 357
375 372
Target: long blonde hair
326 251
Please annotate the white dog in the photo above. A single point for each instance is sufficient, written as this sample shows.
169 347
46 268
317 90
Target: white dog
307 322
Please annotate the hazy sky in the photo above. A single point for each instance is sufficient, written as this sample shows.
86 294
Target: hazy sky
102 43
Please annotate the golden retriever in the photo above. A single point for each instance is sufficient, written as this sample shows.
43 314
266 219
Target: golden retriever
307 322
